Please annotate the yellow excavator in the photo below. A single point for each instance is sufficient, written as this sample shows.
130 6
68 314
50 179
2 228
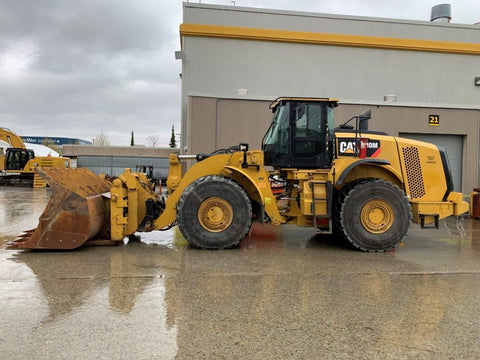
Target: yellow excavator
360 185
18 164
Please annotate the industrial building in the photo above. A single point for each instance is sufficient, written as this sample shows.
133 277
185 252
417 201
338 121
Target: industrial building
421 79
113 160
57 141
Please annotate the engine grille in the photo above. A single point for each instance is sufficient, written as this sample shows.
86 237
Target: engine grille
414 172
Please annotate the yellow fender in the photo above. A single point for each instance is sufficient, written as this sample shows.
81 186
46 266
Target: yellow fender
378 168
258 179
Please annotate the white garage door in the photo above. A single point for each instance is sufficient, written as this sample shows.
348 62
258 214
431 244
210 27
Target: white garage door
454 146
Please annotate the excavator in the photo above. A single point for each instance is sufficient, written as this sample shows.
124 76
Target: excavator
18 163
364 187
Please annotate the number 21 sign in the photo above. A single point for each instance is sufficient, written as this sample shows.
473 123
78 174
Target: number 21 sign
433 120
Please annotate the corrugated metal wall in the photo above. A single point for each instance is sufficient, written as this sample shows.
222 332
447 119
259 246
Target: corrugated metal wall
115 165
219 67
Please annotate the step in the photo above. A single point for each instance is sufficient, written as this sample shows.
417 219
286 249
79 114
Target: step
38 182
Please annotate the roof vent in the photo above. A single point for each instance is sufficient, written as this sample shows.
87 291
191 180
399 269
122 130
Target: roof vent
441 13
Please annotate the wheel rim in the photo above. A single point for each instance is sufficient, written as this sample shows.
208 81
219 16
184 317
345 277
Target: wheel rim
215 214
377 216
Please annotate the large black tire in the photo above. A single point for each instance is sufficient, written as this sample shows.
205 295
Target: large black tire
374 215
214 213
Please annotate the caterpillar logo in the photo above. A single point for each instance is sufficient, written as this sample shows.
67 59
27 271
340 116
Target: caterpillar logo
359 147
347 147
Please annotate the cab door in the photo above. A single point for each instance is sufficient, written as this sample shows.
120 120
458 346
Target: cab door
309 135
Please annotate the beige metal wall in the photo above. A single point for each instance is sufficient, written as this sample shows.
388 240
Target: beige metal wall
220 123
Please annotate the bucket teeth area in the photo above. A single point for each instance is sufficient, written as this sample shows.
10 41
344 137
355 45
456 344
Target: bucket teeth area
17 243
81 181
76 212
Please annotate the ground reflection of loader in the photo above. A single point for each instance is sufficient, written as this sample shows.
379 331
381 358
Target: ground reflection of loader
277 302
77 277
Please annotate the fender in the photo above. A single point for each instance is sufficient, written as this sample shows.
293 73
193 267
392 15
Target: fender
378 162
259 180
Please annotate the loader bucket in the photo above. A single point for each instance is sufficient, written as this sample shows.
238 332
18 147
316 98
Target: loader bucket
77 211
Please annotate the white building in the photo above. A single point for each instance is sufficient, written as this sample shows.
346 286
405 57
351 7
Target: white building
421 79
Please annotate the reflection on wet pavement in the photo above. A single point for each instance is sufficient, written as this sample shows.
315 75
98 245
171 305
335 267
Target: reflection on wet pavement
283 294
20 209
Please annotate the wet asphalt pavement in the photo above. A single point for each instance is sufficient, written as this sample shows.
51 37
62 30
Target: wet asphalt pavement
285 294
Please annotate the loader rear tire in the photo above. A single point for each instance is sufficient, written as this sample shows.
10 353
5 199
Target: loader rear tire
375 215
214 213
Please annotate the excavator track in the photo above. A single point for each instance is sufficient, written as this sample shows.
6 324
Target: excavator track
20 180
77 211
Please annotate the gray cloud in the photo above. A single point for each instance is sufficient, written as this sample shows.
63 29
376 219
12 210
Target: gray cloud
93 66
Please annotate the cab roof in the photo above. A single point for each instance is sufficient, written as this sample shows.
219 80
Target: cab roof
275 102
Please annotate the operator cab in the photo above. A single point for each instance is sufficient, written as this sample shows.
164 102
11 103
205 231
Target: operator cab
16 159
301 133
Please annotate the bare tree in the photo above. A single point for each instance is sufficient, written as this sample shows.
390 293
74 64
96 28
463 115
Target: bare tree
49 143
152 140
101 140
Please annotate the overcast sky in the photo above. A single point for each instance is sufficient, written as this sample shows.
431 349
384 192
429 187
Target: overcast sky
78 68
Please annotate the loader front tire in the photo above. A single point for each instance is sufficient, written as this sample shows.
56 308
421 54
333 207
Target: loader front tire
214 213
375 215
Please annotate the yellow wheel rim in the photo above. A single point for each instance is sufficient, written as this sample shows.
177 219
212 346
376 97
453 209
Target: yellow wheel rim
377 216
215 214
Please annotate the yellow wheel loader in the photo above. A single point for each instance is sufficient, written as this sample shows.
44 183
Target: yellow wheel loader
17 164
363 186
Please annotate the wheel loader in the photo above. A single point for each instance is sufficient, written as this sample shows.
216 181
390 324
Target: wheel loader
362 186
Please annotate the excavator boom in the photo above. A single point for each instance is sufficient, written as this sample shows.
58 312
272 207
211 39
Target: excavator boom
11 138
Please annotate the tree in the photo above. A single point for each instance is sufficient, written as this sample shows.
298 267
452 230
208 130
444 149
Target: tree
173 141
132 141
101 140
152 140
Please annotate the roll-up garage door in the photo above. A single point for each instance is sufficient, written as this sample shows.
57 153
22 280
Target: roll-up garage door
454 146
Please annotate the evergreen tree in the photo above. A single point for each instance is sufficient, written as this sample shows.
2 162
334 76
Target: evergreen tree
173 142
132 141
